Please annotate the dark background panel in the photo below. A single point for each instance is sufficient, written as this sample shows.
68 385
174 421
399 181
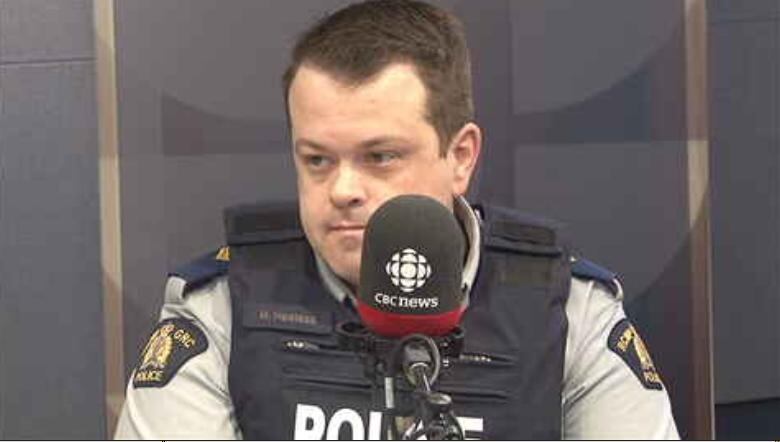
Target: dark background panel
750 420
51 318
745 164
720 11
744 79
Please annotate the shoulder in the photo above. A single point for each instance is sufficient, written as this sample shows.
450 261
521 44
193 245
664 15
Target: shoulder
595 299
590 271
198 291
611 388
594 306
185 360
507 224
197 273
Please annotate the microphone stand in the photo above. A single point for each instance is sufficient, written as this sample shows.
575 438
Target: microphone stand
419 359
434 417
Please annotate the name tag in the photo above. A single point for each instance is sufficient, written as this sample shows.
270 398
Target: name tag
286 317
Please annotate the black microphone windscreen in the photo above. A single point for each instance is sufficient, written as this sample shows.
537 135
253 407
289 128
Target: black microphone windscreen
411 268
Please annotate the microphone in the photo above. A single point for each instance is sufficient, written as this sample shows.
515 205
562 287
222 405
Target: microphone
411 269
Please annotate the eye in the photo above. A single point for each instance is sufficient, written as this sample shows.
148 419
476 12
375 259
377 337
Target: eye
315 161
382 157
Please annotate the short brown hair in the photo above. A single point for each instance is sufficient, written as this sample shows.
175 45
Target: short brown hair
359 41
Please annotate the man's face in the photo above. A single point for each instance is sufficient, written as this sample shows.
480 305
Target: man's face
356 147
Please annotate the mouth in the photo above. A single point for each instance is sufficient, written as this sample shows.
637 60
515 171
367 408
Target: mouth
347 228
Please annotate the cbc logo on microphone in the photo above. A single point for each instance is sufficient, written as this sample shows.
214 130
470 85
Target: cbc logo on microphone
408 270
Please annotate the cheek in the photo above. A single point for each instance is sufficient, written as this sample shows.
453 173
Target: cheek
308 216
433 179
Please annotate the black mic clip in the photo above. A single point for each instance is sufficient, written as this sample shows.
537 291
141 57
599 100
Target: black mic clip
355 337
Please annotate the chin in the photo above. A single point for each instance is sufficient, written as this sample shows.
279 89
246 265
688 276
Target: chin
348 272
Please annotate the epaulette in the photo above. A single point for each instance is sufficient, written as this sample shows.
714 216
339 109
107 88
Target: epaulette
509 228
203 269
261 223
582 268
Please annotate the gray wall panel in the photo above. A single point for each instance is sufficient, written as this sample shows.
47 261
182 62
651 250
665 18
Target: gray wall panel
744 80
38 30
613 201
50 296
720 11
745 165
564 52
220 181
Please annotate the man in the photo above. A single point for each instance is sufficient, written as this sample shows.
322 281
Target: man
379 103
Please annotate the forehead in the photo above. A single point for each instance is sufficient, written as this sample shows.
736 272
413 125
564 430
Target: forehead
394 92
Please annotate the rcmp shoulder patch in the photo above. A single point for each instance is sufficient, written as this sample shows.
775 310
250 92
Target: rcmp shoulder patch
174 342
625 341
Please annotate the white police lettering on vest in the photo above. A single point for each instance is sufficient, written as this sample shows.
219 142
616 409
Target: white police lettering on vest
311 423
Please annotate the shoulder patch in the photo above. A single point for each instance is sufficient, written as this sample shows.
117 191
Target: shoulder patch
174 342
582 268
625 341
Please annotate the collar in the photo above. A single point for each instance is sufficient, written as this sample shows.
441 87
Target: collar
470 221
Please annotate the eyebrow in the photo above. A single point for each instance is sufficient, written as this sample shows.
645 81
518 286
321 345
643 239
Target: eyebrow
367 144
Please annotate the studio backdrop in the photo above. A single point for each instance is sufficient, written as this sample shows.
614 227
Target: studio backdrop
126 127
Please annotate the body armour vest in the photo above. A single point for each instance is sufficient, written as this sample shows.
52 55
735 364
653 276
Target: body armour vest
290 379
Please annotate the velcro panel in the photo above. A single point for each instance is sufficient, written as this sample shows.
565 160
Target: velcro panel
262 223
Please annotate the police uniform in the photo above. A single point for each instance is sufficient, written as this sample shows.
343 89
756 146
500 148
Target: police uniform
187 386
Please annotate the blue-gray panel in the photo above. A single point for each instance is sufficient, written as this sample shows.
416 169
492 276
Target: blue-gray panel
42 30
743 67
573 84
564 51
719 11
745 262
626 204
51 313
744 168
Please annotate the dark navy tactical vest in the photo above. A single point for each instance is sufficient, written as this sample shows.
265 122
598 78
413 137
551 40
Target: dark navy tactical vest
289 378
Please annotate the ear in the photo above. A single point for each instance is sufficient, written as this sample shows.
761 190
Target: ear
462 155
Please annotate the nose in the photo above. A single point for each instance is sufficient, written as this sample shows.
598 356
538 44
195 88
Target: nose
348 189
